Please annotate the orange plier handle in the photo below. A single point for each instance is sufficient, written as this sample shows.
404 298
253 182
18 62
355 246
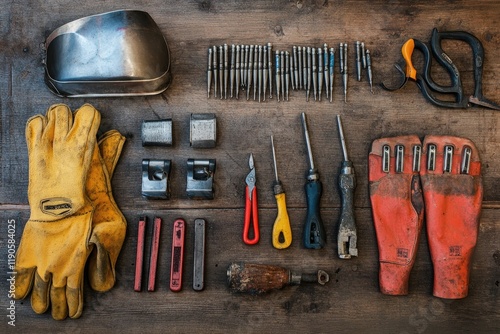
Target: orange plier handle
251 214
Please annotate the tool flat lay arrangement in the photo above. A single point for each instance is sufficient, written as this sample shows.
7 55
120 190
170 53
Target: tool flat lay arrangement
249 68
76 230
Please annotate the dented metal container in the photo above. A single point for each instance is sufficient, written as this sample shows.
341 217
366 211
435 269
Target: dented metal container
119 53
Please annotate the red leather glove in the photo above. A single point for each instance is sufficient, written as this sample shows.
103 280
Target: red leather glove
453 208
397 208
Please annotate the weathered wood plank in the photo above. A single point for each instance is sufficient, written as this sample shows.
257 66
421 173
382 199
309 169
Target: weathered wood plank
351 302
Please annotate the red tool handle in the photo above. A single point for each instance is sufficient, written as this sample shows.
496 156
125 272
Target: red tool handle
177 255
153 261
251 214
140 254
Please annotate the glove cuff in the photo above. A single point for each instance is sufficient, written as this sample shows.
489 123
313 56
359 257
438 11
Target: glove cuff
451 279
393 278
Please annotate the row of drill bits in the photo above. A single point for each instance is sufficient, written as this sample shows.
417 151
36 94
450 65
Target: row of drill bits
250 68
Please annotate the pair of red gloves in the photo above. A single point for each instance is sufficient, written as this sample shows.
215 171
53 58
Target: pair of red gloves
439 179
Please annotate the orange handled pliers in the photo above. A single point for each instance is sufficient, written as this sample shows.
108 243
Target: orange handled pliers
251 210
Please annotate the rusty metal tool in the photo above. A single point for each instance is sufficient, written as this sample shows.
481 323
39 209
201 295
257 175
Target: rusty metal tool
232 70
314 231
177 255
314 72
215 69
332 72
369 69
221 71
326 69
265 72
139 257
199 255
347 237
278 74
295 68
209 72
238 72
287 75
153 259
249 71
282 232
259 82
320 72
270 68
260 278
251 206
255 70
300 67
226 69
345 76
358 60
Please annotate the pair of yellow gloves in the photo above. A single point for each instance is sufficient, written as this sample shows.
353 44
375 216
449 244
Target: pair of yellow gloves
74 219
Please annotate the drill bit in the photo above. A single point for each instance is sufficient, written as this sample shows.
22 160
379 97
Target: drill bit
287 73
249 71
245 66
291 71
326 70
345 76
221 71
309 61
295 68
226 70
255 70
260 72
231 73
369 69
278 72
320 72
238 73
363 54
215 68
209 72
299 69
264 72
332 72
282 77
314 72
341 59
358 60
270 68
304 68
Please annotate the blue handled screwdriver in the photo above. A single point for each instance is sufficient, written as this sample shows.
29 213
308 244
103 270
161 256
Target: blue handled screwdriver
314 231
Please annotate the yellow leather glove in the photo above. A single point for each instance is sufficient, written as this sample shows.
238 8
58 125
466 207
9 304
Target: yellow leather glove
54 247
108 225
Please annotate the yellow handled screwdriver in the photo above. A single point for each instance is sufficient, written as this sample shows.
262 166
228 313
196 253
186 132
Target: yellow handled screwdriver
282 232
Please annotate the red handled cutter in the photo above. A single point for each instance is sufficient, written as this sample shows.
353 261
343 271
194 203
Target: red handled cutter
251 210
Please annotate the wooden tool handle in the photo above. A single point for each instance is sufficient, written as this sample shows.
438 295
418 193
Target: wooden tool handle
256 278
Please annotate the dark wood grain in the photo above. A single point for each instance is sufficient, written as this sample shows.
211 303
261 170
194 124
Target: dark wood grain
351 302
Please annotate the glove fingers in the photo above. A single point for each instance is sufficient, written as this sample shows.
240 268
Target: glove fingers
59 305
40 294
34 130
75 302
24 282
84 130
110 146
63 119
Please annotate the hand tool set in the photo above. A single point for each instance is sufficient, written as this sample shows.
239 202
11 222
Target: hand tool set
441 179
307 68
75 223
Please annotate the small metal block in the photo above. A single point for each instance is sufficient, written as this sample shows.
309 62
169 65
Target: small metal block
200 177
203 130
155 179
157 132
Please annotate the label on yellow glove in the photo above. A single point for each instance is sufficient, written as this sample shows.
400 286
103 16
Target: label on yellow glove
57 206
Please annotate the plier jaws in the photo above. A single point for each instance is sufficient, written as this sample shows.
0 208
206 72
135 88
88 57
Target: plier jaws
251 207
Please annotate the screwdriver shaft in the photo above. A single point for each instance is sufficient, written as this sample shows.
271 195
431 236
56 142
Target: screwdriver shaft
274 160
215 69
232 72
270 68
209 72
238 71
326 70
342 139
308 142
320 72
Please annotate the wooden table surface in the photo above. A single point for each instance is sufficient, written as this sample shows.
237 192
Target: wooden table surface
351 301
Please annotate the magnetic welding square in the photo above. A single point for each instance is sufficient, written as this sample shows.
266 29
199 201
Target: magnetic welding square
157 132
203 130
